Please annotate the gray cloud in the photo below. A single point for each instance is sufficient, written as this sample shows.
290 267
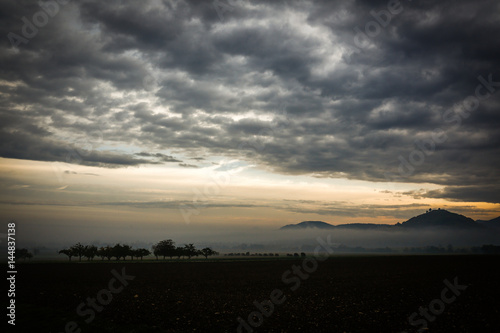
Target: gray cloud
162 157
177 204
483 193
25 145
344 209
186 165
219 86
69 172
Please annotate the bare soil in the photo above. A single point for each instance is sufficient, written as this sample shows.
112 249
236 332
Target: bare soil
343 294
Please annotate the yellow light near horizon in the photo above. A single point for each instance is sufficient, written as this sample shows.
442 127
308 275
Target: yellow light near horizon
281 198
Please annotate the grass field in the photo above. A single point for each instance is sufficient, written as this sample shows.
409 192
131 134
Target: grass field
340 294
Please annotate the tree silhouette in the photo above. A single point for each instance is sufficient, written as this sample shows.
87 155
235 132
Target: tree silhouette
121 251
139 253
126 251
164 248
90 251
23 254
180 252
69 252
208 252
105 252
190 250
78 250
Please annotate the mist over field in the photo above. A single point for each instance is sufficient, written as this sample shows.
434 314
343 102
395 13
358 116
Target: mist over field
261 240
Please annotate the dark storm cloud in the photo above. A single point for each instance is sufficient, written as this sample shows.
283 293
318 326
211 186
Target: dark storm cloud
69 172
164 75
354 211
483 193
23 145
401 211
162 157
185 165
175 204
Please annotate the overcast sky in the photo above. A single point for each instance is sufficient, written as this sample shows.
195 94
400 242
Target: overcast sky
161 116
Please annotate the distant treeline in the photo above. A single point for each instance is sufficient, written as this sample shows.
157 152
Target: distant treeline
165 248
248 254
485 249
23 254
488 249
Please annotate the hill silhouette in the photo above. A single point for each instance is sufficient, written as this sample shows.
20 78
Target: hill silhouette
493 223
309 224
438 218
364 226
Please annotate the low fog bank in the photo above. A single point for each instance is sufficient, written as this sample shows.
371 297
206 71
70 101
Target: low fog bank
307 240
262 240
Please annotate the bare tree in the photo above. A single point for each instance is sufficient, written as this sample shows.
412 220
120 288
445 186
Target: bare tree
78 250
69 252
190 250
90 251
206 252
165 248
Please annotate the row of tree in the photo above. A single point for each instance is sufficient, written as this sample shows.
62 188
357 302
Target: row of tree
165 248
23 254
106 252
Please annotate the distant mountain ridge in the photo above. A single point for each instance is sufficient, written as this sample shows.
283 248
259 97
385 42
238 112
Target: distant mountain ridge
438 218
309 224
493 223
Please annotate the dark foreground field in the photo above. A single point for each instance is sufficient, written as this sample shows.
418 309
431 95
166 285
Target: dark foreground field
344 294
